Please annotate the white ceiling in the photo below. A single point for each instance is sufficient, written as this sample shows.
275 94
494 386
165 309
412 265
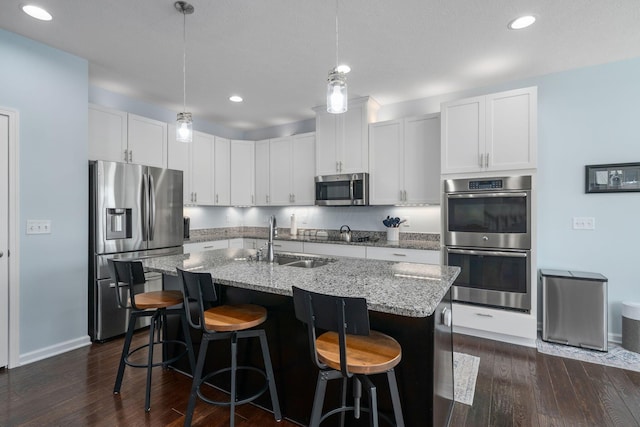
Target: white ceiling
276 53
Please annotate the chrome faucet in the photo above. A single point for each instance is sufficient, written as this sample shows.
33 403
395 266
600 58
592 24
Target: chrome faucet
273 232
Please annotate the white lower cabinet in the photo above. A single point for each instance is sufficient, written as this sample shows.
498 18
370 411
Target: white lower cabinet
504 325
205 246
236 243
287 246
403 255
335 250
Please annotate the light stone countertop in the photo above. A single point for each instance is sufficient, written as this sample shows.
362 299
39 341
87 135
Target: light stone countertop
405 289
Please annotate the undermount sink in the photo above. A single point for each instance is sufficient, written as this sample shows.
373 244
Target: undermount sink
292 261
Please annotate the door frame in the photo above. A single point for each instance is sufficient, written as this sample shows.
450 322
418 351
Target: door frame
14 237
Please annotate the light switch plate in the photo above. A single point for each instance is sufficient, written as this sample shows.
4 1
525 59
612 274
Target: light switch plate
38 226
584 223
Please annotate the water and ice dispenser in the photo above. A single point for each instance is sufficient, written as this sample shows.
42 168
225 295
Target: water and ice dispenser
118 223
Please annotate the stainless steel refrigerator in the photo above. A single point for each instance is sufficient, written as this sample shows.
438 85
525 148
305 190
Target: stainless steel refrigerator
135 212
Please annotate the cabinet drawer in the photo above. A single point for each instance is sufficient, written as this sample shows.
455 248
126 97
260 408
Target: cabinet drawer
406 255
287 246
335 250
496 321
205 246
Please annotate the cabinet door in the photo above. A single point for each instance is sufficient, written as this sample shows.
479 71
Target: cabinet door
326 140
147 141
421 169
242 173
280 171
202 149
262 173
353 140
463 135
303 149
107 134
511 129
222 171
385 162
179 158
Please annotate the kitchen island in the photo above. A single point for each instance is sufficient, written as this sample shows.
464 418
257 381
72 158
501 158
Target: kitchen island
410 302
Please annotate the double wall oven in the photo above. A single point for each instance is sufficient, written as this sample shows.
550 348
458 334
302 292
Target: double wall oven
487 233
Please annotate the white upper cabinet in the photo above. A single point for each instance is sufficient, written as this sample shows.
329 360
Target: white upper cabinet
495 132
303 149
147 141
107 134
262 173
404 161
123 137
342 140
242 173
291 170
222 172
179 158
201 170
194 160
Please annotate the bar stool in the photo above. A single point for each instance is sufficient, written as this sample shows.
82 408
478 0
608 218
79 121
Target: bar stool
224 322
156 305
348 350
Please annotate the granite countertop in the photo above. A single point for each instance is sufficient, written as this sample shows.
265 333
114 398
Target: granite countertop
406 289
422 241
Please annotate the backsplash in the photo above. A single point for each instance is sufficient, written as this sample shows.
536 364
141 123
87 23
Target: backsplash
423 219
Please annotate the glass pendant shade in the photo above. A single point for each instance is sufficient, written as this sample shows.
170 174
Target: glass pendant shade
184 128
336 92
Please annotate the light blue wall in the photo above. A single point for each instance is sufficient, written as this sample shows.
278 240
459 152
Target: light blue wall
49 90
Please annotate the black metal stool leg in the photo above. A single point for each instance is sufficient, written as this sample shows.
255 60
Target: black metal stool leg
197 376
357 394
234 369
343 400
270 376
395 398
318 400
125 352
152 327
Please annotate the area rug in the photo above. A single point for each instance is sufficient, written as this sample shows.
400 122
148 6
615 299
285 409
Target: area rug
465 373
616 357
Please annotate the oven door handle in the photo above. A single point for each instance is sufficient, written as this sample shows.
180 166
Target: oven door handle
488 253
481 195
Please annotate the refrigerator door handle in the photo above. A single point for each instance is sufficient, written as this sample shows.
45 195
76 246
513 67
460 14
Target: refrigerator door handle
152 207
145 207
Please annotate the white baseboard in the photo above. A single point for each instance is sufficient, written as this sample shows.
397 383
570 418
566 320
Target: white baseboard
54 350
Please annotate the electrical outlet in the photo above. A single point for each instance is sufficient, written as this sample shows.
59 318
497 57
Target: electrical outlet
584 223
38 226
407 222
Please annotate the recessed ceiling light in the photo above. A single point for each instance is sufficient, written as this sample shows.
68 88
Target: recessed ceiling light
37 12
522 22
343 68
235 98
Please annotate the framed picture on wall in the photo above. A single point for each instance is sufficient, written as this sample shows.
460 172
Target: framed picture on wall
613 177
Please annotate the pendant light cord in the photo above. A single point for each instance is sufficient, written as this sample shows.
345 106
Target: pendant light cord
336 34
184 61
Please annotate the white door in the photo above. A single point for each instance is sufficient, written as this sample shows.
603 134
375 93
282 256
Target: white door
4 241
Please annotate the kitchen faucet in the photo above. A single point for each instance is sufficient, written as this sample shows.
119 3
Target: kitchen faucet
273 232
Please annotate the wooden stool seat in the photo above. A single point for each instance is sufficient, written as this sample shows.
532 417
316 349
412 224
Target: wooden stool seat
158 299
226 318
366 354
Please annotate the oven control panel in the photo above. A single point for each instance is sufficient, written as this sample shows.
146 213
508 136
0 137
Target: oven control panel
490 184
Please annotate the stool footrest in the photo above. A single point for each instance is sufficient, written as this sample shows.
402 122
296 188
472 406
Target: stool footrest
248 399
164 362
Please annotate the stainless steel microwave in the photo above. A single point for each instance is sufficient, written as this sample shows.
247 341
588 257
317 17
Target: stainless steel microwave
342 190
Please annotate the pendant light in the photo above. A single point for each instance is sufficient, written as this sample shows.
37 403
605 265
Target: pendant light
337 83
184 123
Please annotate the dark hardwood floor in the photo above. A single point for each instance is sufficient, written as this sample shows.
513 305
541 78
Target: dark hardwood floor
516 386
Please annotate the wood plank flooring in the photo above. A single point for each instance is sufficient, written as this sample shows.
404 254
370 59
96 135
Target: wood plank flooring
516 386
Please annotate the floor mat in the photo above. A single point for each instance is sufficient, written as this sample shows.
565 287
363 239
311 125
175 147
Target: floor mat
465 373
616 357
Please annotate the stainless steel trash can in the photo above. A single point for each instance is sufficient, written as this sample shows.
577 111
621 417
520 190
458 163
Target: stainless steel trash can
575 308
631 326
